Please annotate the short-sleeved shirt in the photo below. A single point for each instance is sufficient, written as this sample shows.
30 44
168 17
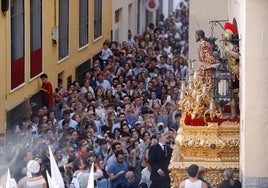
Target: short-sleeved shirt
115 168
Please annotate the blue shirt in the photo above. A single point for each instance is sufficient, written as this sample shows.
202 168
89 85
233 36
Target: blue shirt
115 168
131 120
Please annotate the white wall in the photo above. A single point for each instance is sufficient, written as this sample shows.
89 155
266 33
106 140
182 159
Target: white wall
165 8
254 88
201 12
176 4
128 18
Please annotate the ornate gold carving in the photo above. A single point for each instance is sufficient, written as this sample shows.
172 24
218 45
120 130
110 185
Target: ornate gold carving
215 146
196 98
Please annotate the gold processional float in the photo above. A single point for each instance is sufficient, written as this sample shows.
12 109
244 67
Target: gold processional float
205 136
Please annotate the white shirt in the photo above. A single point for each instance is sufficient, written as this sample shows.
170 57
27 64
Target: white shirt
183 72
189 184
72 124
105 84
145 176
98 125
105 54
167 49
111 160
84 90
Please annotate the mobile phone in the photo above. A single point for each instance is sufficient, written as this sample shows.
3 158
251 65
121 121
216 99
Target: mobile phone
168 98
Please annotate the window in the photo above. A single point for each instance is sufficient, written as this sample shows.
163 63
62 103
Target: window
36 37
83 23
63 28
81 70
16 115
97 18
17 43
116 16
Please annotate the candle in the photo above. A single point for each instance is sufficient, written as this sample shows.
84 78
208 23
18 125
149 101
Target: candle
224 87
183 85
190 85
204 88
190 65
197 99
182 95
195 75
220 91
193 93
211 105
190 78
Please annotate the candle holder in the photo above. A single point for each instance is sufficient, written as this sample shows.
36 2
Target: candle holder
196 97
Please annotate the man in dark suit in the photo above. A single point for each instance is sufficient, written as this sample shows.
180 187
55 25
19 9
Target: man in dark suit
159 157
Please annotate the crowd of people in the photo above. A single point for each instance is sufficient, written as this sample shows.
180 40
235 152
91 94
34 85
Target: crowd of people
126 104
122 118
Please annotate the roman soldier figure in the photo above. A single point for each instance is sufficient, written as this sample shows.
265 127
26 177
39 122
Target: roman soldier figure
231 46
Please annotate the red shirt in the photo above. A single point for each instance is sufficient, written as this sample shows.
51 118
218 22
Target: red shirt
48 96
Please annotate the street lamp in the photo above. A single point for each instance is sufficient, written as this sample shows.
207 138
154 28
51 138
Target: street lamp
222 93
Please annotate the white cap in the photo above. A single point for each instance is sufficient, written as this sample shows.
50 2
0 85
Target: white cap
160 123
138 122
32 167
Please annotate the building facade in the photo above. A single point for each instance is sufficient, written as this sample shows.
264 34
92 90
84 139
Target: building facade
135 16
56 37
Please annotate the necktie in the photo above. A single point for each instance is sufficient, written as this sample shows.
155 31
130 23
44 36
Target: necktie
165 149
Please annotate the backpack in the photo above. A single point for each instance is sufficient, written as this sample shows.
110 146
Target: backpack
75 183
